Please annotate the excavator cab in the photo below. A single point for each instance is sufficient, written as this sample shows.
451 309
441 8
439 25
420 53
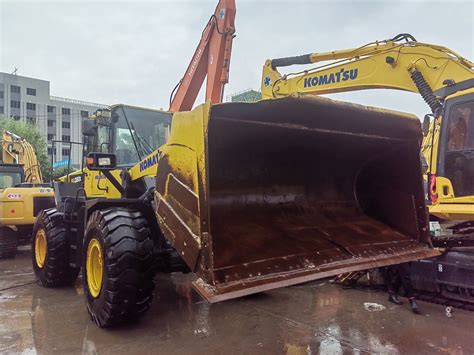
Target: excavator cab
11 175
458 162
452 177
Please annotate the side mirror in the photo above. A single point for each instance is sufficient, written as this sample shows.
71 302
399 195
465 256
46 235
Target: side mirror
89 127
101 161
426 125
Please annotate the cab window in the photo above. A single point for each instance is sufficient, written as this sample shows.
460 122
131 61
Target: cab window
459 159
9 180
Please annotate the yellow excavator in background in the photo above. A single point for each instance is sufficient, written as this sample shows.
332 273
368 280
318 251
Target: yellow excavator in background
22 192
442 77
445 80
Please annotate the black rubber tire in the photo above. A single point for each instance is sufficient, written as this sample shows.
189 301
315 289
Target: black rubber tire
128 269
8 243
56 270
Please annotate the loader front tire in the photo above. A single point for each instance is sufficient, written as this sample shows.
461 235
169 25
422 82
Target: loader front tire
50 250
118 266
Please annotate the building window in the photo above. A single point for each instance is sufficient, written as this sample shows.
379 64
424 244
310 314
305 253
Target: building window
66 138
31 120
50 109
50 151
15 104
30 106
66 152
15 89
66 125
1 109
50 123
1 94
84 114
30 91
50 137
66 111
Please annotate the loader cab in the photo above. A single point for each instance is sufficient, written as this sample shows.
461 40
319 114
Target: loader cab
96 131
137 132
128 131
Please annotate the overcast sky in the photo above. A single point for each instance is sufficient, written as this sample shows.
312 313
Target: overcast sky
135 52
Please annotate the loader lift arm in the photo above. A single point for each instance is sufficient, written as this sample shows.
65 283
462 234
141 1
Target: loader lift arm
211 58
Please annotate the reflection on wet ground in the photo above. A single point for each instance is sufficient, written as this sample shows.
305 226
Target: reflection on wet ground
317 317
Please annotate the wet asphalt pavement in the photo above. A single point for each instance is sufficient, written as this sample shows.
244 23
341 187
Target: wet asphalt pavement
314 318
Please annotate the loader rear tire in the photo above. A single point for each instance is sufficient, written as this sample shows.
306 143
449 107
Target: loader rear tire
50 250
118 266
8 243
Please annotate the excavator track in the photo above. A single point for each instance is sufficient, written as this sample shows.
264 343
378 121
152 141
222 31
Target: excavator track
444 301
452 241
350 281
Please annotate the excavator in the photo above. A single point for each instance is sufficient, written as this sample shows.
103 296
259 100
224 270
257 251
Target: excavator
22 192
445 80
248 196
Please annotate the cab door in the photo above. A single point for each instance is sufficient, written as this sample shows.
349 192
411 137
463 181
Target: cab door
455 167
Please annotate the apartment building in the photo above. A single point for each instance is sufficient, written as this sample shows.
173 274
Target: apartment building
57 118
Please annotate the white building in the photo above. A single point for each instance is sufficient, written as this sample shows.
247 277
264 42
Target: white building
57 118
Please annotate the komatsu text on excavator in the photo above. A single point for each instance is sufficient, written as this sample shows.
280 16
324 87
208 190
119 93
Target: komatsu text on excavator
445 80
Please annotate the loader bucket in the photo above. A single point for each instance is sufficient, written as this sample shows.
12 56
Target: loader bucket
284 191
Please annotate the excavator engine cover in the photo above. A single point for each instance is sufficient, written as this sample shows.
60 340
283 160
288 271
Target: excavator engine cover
256 196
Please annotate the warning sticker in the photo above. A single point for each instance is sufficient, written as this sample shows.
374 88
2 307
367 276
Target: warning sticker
14 196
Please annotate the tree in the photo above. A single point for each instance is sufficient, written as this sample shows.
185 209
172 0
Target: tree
29 132
60 172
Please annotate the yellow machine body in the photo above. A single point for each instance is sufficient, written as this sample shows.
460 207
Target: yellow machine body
20 205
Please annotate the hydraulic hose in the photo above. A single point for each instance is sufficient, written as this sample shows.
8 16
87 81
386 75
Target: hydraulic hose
426 92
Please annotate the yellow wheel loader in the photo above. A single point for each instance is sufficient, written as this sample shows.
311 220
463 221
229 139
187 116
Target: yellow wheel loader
249 197
109 130
22 193
445 80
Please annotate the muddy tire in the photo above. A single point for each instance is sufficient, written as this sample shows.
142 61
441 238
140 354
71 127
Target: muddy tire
50 250
118 266
8 243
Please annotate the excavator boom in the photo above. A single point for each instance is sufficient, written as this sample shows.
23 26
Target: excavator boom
390 64
16 150
211 58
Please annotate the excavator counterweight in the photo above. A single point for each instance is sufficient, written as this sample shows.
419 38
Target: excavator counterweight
283 191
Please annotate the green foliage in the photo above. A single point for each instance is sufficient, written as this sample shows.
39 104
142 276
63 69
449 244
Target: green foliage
32 135
57 173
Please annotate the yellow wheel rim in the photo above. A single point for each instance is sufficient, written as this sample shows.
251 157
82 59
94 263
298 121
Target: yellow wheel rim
94 267
40 247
